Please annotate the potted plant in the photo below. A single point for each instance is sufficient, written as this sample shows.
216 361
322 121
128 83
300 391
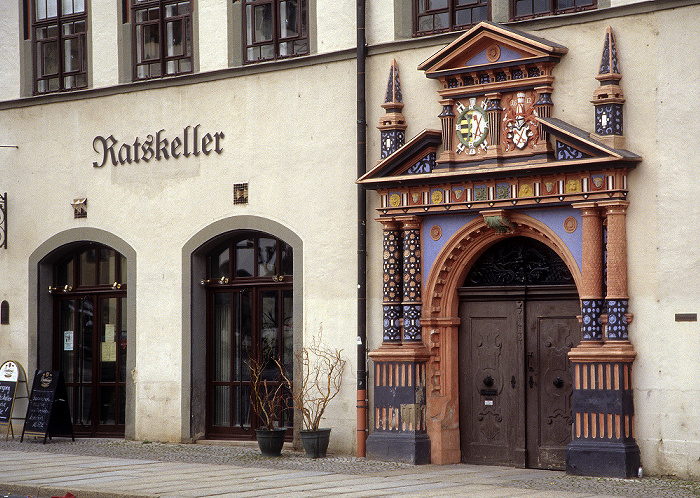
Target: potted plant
267 401
321 377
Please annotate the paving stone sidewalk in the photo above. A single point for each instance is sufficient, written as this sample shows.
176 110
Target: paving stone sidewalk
110 468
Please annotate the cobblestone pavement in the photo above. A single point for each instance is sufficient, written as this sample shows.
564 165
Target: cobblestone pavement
111 468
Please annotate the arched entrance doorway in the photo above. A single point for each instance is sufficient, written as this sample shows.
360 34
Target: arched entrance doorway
518 312
249 302
89 298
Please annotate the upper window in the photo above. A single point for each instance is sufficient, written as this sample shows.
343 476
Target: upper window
162 38
524 9
275 29
60 55
438 16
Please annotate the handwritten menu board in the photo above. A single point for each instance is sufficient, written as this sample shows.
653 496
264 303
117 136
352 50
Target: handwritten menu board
9 375
48 414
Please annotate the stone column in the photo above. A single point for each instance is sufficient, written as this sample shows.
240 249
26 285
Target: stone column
603 441
617 298
592 272
399 429
392 281
412 280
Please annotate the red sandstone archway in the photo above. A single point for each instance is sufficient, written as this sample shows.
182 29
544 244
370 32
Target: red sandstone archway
440 320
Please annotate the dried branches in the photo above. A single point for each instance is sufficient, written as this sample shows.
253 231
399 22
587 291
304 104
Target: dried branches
266 397
322 375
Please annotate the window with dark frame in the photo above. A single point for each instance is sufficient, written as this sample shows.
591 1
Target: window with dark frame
59 44
526 9
275 29
439 16
162 38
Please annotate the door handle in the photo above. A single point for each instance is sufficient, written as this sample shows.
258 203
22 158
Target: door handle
531 382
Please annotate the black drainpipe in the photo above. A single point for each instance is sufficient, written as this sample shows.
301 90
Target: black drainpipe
361 236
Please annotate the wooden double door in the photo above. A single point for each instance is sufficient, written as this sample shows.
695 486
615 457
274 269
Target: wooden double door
515 376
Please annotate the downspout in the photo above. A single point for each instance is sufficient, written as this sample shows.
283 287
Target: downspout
361 237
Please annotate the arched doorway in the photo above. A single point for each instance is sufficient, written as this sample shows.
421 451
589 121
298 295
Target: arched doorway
518 319
249 314
89 302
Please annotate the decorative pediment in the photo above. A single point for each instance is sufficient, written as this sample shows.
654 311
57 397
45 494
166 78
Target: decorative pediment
490 56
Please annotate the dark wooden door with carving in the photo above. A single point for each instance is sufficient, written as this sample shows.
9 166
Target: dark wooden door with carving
515 377
518 311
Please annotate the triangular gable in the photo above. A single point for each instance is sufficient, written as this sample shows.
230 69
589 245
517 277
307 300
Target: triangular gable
575 144
416 157
488 44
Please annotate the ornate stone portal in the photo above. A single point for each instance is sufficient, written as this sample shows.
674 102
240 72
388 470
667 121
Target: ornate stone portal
508 169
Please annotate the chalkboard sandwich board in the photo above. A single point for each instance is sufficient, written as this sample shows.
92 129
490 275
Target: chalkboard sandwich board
48 413
9 376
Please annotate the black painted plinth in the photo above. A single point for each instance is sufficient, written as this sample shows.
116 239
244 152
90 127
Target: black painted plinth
399 447
602 459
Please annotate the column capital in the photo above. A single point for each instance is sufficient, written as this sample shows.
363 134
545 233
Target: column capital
615 205
409 222
389 223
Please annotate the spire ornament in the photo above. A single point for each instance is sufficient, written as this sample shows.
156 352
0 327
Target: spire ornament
608 98
393 124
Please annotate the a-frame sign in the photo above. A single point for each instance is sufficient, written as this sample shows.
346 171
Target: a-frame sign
48 413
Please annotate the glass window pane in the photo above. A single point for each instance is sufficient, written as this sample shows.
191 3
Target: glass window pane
67 6
267 257
263 22
40 9
425 23
108 266
541 6
288 332
269 333
222 406
122 341
422 6
174 42
219 264
287 258
88 267
288 19
66 319
108 405
463 17
222 337
442 20
83 340
122 269
479 14
245 258
267 52
108 339
523 7
301 47
438 4
151 42
49 58
64 274
244 334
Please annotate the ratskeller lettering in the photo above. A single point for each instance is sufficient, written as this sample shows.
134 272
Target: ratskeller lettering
157 147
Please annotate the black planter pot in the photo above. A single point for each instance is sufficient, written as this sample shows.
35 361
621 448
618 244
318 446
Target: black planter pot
270 442
315 442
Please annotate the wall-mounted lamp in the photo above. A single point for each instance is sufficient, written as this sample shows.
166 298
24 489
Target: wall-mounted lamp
65 288
3 220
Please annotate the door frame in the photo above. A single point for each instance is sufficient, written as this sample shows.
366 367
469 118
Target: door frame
440 319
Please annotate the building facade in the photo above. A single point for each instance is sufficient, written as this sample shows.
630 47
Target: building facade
178 195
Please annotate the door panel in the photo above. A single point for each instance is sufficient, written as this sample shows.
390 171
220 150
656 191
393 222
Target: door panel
490 381
552 331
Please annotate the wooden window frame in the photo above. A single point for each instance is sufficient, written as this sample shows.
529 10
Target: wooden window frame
452 9
59 22
277 38
163 60
552 11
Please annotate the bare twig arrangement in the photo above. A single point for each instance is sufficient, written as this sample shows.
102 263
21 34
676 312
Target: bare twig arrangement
267 398
322 374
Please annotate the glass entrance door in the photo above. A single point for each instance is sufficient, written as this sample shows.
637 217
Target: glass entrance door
249 315
90 339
